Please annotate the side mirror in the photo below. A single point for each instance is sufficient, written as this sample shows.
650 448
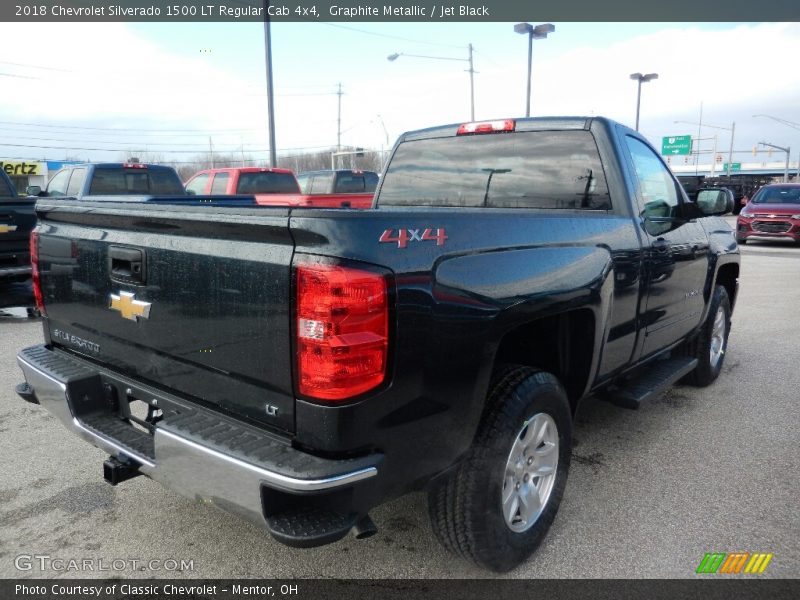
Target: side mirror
33 190
715 201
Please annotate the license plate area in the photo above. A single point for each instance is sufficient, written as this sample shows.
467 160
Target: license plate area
137 407
143 415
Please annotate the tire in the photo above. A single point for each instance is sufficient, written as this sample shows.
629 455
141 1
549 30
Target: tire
710 362
467 506
741 241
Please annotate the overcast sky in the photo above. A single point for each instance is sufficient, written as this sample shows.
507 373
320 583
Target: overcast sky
168 88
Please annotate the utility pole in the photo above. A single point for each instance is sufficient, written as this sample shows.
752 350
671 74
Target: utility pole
273 154
210 152
339 121
730 152
471 86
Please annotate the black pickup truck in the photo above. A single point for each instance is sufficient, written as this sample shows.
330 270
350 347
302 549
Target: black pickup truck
301 366
17 219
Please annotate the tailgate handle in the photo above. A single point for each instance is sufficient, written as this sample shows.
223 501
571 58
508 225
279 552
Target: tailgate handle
127 265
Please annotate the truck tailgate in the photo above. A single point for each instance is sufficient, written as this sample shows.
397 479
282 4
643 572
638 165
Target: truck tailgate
192 300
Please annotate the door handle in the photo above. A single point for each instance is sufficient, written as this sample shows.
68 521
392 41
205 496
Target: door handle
127 265
661 245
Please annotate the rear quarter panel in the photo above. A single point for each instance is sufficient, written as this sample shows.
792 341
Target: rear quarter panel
454 302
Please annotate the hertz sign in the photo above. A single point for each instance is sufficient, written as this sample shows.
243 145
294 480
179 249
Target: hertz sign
21 168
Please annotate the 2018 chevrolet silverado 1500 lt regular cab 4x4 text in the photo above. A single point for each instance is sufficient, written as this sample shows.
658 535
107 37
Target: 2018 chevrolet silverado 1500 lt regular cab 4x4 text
300 367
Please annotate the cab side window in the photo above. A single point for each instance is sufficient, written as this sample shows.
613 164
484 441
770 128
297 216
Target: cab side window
304 181
321 184
658 191
76 182
220 183
197 186
58 184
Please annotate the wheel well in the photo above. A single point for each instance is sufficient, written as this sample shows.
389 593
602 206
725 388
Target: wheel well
727 277
561 344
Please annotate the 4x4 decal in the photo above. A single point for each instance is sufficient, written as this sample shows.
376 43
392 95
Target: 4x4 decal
404 236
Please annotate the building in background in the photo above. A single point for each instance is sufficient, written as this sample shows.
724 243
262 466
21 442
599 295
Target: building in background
31 172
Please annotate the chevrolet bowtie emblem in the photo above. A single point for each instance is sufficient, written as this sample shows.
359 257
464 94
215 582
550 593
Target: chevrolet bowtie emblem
129 307
6 228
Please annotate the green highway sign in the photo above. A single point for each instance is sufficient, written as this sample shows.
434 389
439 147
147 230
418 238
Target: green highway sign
734 167
676 144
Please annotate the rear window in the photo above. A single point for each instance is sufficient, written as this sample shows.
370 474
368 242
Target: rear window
266 182
537 169
156 182
354 183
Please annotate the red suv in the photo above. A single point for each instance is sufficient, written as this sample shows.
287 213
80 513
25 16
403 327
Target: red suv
773 212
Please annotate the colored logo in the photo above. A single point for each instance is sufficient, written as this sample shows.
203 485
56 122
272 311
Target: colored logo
734 563
6 228
129 307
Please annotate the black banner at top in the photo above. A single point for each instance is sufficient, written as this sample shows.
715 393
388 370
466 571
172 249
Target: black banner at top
397 10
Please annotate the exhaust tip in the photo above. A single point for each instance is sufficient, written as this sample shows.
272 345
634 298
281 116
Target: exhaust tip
364 528
26 392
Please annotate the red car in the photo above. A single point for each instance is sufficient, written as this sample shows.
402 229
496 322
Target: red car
772 212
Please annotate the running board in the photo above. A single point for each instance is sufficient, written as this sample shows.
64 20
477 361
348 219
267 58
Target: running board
652 382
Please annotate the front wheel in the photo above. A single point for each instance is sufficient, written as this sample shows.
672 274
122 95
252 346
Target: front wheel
497 506
711 344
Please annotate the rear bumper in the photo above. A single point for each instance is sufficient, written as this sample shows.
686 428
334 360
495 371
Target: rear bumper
205 455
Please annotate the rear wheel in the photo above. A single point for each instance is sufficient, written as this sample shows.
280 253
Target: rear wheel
497 506
711 344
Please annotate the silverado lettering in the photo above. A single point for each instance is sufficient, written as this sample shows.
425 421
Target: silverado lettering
344 374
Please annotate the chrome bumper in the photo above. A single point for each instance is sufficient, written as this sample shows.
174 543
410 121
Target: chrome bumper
186 466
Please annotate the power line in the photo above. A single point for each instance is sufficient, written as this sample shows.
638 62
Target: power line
129 149
120 129
235 145
386 35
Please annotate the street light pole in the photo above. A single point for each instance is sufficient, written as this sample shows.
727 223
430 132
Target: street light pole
787 150
530 69
539 32
273 153
639 78
471 71
791 124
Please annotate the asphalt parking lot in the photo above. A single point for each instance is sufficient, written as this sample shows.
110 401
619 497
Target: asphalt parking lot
649 493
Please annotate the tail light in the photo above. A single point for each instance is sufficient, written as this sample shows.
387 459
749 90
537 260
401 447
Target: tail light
37 285
342 331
